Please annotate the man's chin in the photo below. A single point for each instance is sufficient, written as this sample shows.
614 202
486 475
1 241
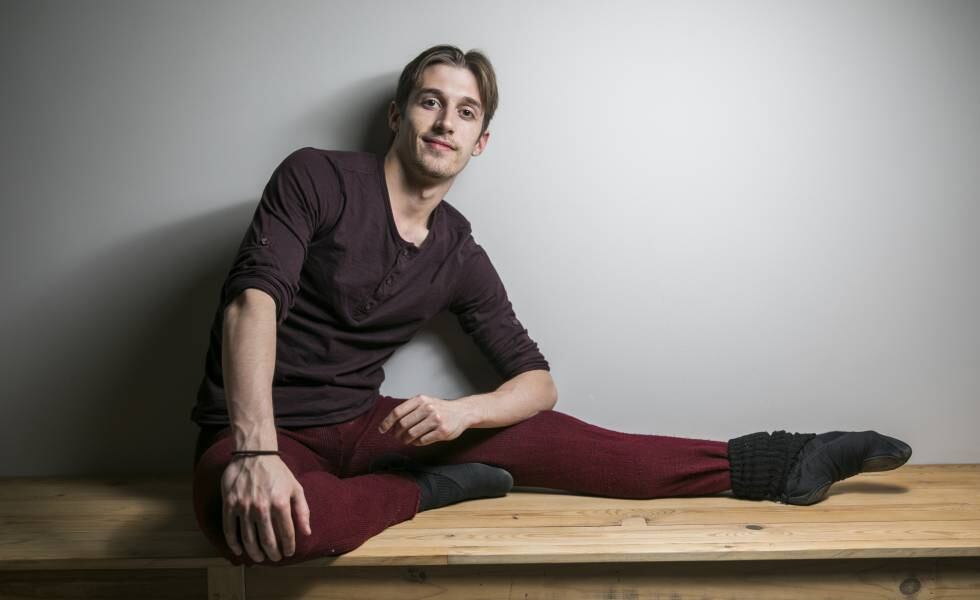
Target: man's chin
436 173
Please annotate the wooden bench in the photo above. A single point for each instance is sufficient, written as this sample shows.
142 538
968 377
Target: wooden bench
909 533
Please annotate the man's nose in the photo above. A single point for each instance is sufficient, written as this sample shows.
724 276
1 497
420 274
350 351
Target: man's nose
445 121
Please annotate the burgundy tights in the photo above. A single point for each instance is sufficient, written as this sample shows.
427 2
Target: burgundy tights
349 505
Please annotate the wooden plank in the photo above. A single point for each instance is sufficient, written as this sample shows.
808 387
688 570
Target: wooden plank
915 511
529 509
760 580
138 549
73 488
155 584
112 564
661 544
87 523
597 513
226 583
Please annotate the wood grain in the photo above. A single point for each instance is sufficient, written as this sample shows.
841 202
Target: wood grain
755 580
155 584
917 511
909 533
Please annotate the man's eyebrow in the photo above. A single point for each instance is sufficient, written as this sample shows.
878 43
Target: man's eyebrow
438 92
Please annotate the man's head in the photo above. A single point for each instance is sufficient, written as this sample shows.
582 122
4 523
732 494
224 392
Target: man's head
445 96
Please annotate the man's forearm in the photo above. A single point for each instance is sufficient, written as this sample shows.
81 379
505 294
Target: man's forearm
248 362
517 399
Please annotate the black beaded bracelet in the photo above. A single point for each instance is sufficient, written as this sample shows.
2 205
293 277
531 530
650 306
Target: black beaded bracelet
247 453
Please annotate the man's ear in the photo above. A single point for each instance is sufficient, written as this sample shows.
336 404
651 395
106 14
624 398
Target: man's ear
393 116
481 143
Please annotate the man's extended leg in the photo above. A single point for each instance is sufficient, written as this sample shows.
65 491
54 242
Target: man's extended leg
555 450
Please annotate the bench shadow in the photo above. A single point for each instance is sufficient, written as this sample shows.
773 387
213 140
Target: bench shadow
866 487
842 487
543 490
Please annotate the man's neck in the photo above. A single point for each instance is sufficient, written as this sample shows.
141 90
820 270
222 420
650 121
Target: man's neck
412 202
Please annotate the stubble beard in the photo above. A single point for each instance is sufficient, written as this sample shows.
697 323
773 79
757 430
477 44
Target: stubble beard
431 166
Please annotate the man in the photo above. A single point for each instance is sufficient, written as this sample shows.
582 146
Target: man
347 256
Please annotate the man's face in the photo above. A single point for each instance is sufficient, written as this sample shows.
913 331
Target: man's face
440 129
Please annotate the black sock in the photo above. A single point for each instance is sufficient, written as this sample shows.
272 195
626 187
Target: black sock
437 490
442 485
761 462
448 484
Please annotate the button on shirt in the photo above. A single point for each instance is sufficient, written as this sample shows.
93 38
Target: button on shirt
349 291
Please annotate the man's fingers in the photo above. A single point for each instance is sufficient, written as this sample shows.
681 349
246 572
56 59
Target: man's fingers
267 536
392 418
421 430
409 421
248 539
282 521
229 522
257 509
397 413
302 511
426 439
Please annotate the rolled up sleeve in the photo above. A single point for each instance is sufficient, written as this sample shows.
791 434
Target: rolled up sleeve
298 203
484 311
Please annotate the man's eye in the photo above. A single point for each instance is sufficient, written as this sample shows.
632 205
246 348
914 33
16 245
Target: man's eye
428 100
468 113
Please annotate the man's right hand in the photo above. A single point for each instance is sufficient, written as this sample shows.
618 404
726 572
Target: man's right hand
258 495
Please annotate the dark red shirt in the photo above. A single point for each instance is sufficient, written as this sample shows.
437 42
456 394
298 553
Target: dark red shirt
349 291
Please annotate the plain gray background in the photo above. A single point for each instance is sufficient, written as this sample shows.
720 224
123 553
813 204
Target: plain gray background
714 218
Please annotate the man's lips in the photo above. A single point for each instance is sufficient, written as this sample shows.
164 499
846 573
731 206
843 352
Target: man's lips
439 143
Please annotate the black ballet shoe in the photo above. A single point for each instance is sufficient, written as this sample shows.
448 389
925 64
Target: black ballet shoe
836 455
442 485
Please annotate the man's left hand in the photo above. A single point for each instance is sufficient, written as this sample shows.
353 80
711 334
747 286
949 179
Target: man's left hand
423 420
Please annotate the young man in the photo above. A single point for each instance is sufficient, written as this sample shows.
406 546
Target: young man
347 256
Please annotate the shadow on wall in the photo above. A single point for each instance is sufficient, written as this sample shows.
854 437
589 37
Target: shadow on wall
357 114
132 344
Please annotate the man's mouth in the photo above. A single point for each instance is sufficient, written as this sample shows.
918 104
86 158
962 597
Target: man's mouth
439 144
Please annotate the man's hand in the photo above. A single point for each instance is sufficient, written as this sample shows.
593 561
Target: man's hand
423 420
258 496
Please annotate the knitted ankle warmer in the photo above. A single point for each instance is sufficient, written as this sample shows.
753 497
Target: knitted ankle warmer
761 462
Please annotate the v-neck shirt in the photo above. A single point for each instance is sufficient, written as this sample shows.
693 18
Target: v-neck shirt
349 290
390 211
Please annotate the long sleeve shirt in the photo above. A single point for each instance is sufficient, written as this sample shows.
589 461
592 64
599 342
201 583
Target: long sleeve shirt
349 290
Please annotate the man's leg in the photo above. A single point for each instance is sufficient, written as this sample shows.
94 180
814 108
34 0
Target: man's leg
344 513
555 450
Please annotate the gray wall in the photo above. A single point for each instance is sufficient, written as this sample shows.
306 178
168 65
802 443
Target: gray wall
715 218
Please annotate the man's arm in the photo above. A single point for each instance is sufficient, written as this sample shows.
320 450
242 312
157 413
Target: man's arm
517 399
300 202
422 419
249 358
258 492
486 314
